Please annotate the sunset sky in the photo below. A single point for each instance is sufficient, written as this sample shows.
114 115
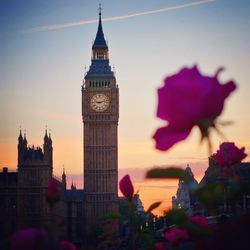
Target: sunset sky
45 46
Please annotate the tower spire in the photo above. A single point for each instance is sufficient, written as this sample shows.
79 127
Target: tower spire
100 42
100 95
46 135
20 138
64 181
63 171
20 131
24 137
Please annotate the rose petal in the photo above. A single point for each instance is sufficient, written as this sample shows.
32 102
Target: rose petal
160 246
189 98
53 193
66 245
126 186
199 220
228 154
176 235
30 238
180 100
166 137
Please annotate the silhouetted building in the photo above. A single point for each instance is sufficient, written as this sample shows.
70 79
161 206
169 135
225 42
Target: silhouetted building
139 209
34 169
184 197
231 181
239 176
100 113
22 194
75 215
8 202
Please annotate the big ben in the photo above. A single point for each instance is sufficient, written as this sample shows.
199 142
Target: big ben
100 113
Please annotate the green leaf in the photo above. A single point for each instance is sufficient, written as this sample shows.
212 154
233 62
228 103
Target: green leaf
153 206
112 216
170 172
210 195
177 216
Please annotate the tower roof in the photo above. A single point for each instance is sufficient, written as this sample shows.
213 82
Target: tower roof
46 138
99 68
99 39
24 138
20 137
63 175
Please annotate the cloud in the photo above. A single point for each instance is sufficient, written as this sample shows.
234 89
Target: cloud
85 22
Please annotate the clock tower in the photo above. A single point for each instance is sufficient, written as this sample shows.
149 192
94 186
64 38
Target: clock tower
100 113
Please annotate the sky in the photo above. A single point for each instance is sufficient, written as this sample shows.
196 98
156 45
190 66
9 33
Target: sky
46 45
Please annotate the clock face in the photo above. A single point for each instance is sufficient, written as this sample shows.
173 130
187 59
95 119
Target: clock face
99 102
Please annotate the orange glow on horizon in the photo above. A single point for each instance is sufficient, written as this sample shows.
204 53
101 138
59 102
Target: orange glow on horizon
68 153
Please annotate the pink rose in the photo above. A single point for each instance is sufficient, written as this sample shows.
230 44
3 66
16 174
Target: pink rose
160 246
199 220
188 99
229 154
53 193
29 239
126 186
176 235
66 245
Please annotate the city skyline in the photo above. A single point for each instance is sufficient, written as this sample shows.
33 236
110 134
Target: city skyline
42 73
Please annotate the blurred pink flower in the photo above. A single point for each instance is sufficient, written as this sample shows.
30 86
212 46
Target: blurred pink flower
160 246
66 245
228 154
188 99
176 235
126 186
28 239
199 220
53 193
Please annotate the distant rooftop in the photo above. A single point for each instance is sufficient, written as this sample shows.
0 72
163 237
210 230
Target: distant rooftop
74 194
8 178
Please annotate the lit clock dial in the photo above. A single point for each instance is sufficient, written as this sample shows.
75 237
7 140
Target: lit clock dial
99 102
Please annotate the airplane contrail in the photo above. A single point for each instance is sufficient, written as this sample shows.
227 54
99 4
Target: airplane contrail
84 22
